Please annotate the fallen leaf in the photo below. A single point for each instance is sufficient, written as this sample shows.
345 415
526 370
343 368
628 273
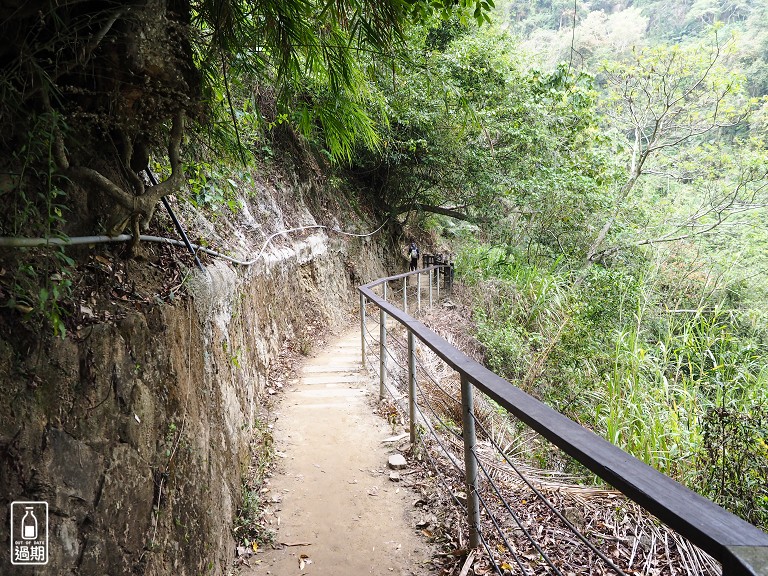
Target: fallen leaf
395 438
244 552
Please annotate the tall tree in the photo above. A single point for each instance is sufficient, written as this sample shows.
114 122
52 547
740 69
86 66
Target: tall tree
476 134
666 100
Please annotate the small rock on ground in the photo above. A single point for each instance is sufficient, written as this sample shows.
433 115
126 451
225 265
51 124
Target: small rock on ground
397 462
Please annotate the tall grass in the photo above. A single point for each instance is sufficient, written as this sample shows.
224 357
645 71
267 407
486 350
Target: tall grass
686 391
692 403
646 412
519 307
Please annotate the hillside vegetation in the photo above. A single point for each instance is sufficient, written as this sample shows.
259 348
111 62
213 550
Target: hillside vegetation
601 168
623 280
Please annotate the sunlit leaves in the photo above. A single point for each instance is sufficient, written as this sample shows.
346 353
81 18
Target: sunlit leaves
319 45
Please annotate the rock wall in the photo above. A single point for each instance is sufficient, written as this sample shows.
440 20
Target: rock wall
136 432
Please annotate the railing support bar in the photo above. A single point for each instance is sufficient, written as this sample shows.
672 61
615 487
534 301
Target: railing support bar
418 291
437 275
362 328
430 289
412 386
405 294
470 461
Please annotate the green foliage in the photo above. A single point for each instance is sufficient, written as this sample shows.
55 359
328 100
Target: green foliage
242 72
42 292
522 306
211 186
549 14
682 389
336 119
733 460
642 409
38 285
690 401
249 528
313 54
35 197
681 91
474 128
645 348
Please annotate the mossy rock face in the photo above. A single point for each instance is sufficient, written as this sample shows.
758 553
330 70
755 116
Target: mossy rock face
136 427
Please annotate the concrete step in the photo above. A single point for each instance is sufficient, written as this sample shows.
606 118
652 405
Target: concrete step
330 379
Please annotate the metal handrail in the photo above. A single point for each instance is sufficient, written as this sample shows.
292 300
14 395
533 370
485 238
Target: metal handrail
740 547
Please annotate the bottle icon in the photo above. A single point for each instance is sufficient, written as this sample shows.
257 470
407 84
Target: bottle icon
29 524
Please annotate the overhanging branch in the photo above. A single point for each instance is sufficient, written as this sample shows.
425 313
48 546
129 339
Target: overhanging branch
450 212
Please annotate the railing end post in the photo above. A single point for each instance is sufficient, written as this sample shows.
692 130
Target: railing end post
746 561
362 328
412 386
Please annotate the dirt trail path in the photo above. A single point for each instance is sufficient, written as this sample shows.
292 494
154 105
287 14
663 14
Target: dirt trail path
334 486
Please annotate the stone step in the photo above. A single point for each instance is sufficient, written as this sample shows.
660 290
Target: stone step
336 360
330 379
339 395
341 369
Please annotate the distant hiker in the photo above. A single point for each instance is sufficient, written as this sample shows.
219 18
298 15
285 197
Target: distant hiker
413 254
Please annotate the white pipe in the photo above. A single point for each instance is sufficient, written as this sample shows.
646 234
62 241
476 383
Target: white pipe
11 242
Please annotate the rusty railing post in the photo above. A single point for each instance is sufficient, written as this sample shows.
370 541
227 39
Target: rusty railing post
412 386
362 327
470 461
382 348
